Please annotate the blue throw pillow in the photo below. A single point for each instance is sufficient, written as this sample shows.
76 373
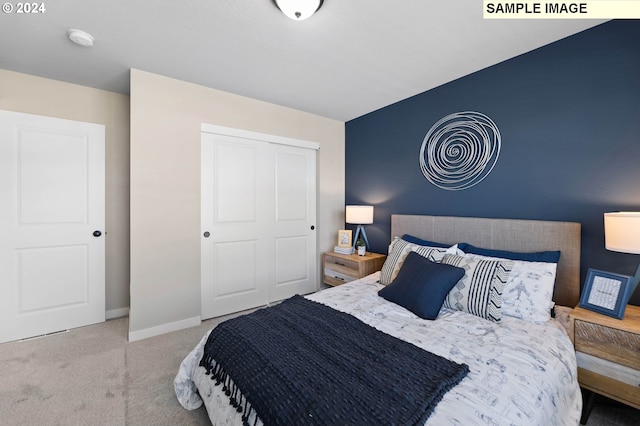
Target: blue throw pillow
422 285
416 240
540 256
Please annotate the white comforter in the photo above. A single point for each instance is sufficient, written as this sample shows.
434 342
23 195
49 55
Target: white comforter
520 373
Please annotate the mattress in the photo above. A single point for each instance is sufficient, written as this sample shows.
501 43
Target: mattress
521 373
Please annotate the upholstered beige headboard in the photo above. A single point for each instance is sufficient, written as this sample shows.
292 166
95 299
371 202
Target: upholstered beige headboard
506 234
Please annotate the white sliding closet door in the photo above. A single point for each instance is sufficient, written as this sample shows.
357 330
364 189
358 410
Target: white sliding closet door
258 220
236 220
295 216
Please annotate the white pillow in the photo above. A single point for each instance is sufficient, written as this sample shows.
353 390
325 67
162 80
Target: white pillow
528 292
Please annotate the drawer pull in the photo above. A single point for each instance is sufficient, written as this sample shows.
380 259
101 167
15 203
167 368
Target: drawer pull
341 264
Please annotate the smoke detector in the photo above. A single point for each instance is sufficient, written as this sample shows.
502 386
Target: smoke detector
80 38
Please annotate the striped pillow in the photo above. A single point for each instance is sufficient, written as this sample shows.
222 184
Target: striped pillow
528 293
398 251
479 292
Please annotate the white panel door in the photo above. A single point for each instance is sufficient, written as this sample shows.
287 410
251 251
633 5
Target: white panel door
237 200
294 224
52 267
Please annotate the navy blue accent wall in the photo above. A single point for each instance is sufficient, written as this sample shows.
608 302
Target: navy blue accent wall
569 116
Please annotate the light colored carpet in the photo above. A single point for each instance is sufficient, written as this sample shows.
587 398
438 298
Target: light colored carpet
93 376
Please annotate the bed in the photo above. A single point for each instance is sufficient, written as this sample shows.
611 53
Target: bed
509 364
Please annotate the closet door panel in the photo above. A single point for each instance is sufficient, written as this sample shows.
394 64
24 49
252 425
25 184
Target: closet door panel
236 263
292 185
235 177
295 216
238 280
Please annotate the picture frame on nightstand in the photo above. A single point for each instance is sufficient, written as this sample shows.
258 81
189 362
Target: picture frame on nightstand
606 293
344 238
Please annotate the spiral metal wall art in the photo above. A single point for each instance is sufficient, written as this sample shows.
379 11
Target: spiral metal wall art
460 150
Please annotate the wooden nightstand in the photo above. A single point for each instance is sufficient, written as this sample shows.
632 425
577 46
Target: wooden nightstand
341 268
608 353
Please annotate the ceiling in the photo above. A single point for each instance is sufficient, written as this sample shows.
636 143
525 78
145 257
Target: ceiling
352 57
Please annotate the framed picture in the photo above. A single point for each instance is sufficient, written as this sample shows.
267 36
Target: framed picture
606 293
344 238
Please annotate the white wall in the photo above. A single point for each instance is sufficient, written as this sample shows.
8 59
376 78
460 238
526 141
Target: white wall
166 115
35 95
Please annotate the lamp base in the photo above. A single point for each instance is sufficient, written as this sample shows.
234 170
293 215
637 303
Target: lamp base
364 235
634 285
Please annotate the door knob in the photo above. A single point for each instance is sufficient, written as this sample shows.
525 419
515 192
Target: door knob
97 233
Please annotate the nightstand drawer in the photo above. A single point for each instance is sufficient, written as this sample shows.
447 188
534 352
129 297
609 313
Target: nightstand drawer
610 369
332 277
610 379
341 266
599 340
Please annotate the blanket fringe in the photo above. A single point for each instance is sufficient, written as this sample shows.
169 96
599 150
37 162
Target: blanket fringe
236 399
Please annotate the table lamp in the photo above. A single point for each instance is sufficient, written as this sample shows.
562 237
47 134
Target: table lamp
622 234
360 215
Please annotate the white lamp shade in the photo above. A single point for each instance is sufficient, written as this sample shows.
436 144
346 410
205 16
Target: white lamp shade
359 215
622 232
298 9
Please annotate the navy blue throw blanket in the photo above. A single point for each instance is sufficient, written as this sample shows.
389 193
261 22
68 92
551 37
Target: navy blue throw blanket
301 362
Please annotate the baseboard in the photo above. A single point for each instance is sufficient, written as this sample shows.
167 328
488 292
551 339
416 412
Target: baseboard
165 328
117 313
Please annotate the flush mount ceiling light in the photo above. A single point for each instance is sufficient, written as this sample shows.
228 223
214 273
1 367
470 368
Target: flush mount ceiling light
80 37
298 10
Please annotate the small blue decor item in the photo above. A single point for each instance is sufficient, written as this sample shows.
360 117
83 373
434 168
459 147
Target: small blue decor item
460 150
